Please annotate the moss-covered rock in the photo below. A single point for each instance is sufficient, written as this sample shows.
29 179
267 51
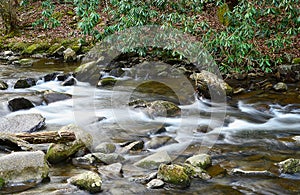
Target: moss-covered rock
36 47
174 174
60 152
108 81
88 181
195 172
201 160
31 49
163 108
290 165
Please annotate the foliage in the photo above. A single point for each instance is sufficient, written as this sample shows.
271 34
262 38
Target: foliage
250 34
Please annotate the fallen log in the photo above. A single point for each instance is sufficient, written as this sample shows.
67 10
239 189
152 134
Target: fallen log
47 137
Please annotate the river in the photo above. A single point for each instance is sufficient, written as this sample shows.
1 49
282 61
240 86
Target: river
259 131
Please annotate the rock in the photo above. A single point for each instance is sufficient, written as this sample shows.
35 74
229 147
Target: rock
201 160
196 172
51 96
216 170
8 53
10 143
51 76
11 59
86 160
31 49
134 146
59 52
289 73
69 82
208 83
138 103
153 161
22 123
157 131
117 72
108 158
108 81
69 55
19 104
112 170
157 142
62 77
290 166
88 181
88 72
155 183
105 148
24 62
173 174
25 83
163 109
296 61
60 152
280 87
19 167
3 85
145 179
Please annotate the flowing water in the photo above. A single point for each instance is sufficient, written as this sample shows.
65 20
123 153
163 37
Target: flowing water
259 130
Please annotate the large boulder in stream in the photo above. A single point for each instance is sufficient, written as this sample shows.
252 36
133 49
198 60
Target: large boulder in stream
19 104
69 55
163 108
210 85
25 83
52 96
3 85
20 167
22 123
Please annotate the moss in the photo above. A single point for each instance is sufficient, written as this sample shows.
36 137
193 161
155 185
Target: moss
296 61
2 183
108 81
19 46
36 47
53 48
173 174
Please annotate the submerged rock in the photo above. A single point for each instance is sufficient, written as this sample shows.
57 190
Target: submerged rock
19 167
19 104
201 160
89 181
25 83
290 165
22 123
3 85
163 108
209 84
280 87
174 174
112 170
153 161
51 96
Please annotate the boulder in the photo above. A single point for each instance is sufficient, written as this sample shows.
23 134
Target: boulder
19 104
196 172
153 161
290 165
159 141
108 158
19 167
69 82
59 52
174 174
3 85
51 96
134 146
105 148
280 87
25 83
24 62
8 53
201 160
50 76
22 123
60 152
163 109
208 84
88 72
69 55
89 181
112 170
117 72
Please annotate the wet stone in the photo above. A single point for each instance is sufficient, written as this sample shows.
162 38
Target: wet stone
69 82
25 83
3 85
153 161
105 148
89 181
19 104
174 174
51 96
290 166
280 87
201 160
155 183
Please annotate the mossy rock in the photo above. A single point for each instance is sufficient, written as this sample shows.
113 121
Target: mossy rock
174 174
201 160
222 10
108 81
88 181
290 166
53 47
36 47
296 61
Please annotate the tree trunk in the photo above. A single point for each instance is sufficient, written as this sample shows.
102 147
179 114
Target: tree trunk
8 13
47 137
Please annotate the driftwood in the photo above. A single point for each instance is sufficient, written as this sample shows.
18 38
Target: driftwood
47 137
